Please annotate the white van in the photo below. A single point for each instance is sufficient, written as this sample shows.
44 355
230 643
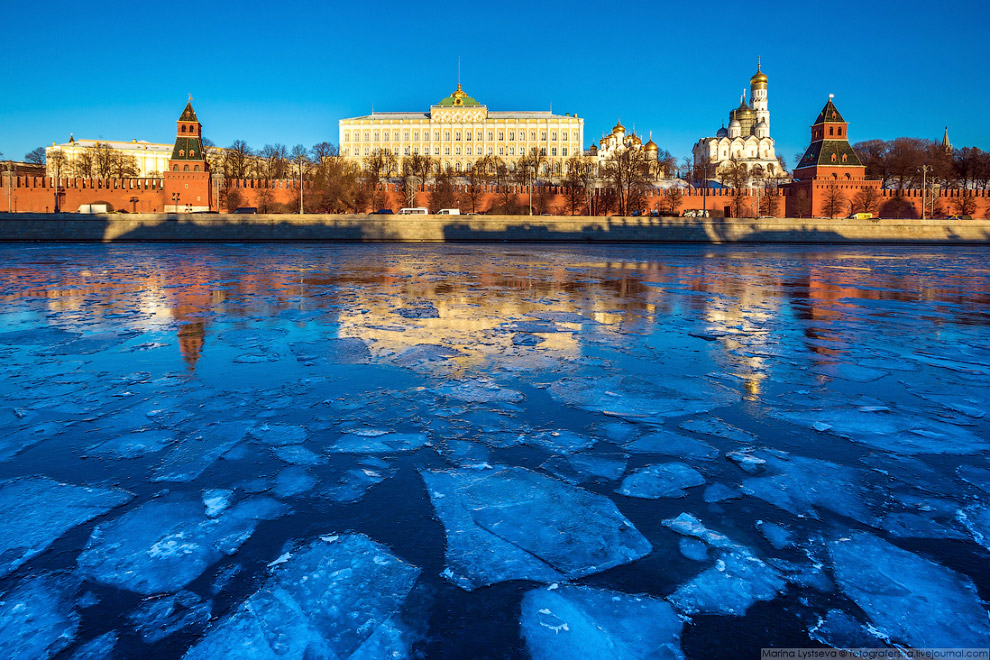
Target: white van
99 207
414 211
449 212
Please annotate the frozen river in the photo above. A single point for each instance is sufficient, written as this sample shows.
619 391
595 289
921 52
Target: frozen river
302 452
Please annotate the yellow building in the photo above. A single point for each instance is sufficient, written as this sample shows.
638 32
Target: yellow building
150 158
459 130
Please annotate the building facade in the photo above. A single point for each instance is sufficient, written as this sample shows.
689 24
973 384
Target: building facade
618 140
150 159
458 131
187 178
747 140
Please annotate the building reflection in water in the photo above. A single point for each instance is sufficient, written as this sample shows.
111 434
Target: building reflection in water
745 303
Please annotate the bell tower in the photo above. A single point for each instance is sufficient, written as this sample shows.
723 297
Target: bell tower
758 95
187 181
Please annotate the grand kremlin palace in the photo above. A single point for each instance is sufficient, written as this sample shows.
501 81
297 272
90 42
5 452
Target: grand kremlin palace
459 130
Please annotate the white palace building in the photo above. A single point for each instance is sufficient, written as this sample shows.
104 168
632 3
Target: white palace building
747 139
459 130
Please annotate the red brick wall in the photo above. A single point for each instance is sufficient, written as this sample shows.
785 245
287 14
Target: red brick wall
37 194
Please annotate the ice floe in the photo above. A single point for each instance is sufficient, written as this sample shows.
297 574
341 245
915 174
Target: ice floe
663 480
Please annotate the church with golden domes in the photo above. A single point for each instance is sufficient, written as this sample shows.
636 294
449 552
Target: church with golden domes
747 139
618 140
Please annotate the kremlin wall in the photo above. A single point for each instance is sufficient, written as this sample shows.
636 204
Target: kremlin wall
830 170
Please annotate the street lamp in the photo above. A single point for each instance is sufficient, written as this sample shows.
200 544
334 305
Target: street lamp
532 169
300 185
924 186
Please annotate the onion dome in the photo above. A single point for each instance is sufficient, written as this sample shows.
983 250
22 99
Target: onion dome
722 132
593 150
618 128
650 146
759 78
734 123
636 140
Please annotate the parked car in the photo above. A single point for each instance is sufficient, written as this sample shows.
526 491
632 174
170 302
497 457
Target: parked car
383 212
860 216
637 213
97 207
418 210
655 213
252 210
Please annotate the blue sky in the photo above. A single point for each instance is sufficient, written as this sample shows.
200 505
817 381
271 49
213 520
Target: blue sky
288 71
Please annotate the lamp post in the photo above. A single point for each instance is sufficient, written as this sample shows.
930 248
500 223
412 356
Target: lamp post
924 187
10 181
300 185
531 170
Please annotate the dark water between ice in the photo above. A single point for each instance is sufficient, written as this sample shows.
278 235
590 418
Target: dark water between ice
235 411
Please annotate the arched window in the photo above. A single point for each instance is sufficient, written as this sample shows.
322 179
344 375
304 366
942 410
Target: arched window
185 168
833 158
556 168
183 128
844 158
182 152
831 130
457 167
192 152
840 130
196 168
175 168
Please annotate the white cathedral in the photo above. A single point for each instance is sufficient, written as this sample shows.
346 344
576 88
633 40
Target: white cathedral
747 139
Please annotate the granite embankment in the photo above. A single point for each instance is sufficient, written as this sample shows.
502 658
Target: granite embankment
178 227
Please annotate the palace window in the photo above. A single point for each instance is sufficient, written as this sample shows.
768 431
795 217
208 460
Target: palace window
365 150
468 135
501 136
843 158
436 150
512 151
395 136
436 135
563 136
367 136
185 168
543 135
553 151
553 136
378 137
446 136
457 167
446 151
405 136
543 151
831 131
512 135
457 136
457 150
491 135
833 158
556 168
563 151
416 135
183 128
192 152
532 136
490 151
501 151
468 149
479 136
196 168
347 136
415 151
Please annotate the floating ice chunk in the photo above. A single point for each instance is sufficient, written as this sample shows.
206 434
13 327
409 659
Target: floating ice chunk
720 493
163 546
851 372
736 581
353 485
279 434
667 443
133 445
479 391
426 354
909 599
801 485
343 350
160 617
979 477
839 630
194 454
13 442
730 587
778 536
693 549
646 400
98 648
464 452
419 310
297 455
45 336
976 519
576 468
918 526
583 622
559 442
383 444
892 431
36 618
293 481
329 600
524 339
747 461
718 428
664 480
511 523
252 337
34 511
216 500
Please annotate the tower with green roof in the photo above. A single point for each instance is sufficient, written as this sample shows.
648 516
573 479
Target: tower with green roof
187 180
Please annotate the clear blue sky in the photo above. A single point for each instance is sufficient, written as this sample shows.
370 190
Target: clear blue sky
288 71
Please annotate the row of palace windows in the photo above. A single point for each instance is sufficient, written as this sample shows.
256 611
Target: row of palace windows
458 136
545 168
502 151
185 168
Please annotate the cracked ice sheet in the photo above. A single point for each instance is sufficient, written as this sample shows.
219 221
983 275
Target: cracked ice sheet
161 546
34 511
514 524
332 598
36 618
199 450
908 598
583 622
801 485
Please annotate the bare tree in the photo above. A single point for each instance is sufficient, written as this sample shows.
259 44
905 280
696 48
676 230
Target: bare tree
475 188
237 160
443 196
103 159
35 156
379 167
801 205
737 176
671 201
58 163
627 175
866 200
82 164
274 163
833 201
965 204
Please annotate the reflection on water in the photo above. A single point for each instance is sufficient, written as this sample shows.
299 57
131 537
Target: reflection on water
525 399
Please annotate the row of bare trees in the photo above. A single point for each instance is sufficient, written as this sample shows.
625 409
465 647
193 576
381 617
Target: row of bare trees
96 161
898 164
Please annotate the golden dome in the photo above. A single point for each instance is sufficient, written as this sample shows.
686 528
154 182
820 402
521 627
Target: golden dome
618 128
651 145
759 78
